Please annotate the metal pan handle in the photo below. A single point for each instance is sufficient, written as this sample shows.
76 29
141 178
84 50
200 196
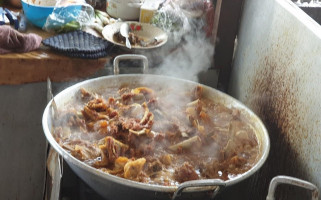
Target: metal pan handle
200 183
291 181
130 57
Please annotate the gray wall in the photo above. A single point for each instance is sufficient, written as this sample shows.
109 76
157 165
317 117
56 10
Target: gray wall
22 142
276 72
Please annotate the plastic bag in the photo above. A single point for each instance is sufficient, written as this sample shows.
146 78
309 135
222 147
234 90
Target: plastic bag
69 15
199 12
171 19
178 17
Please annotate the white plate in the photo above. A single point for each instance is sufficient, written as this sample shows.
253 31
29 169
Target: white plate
146 31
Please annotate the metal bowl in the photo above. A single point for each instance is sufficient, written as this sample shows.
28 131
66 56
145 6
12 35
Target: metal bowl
114 187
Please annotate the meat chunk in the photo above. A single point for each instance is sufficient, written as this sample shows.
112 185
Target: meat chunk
98 105
92 114
155 166
113 148
186 172
103 127
127 98
120 162
133 168
130 123
82 150
143 90
166 159
210 169
118 169
85 95
237 161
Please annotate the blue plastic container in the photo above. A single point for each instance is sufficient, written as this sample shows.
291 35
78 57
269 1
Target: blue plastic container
38 15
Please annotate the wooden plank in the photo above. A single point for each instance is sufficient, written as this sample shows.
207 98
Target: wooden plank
36 66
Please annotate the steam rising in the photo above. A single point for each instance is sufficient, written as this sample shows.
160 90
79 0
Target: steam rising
193 57
188 50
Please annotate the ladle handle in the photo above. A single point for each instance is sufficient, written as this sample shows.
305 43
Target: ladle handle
130 57
217 183
291 181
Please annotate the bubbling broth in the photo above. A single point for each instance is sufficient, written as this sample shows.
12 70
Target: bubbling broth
163 136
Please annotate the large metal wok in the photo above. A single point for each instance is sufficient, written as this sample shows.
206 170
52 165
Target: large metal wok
112 187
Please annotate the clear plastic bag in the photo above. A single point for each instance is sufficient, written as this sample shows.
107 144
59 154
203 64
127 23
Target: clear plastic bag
200 13
69 15
171 19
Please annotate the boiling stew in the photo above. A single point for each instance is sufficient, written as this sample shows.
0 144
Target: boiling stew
162 135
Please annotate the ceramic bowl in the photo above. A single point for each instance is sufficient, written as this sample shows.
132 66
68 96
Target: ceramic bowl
143 30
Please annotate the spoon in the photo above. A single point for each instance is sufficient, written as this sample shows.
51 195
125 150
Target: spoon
124 31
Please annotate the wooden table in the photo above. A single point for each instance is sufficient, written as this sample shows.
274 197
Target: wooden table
38 65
